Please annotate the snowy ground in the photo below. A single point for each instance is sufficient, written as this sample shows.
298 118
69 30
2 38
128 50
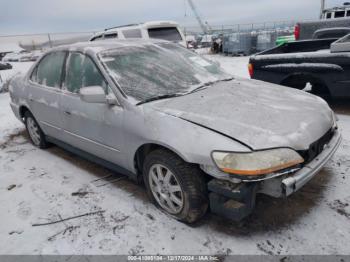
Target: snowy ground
38 186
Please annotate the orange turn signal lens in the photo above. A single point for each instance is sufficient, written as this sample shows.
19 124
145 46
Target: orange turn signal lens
257 162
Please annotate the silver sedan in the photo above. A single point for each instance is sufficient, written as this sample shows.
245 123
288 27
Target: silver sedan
162 114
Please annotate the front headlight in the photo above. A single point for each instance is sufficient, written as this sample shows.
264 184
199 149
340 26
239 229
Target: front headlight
257 163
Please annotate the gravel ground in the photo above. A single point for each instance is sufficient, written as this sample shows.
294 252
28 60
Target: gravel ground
39 186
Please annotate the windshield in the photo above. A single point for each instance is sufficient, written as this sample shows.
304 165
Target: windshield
148 71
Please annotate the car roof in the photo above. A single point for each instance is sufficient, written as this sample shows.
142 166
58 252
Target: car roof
149 24
100 46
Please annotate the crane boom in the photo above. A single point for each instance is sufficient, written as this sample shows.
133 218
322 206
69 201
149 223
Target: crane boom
199 19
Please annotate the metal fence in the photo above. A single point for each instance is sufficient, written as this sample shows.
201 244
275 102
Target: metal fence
247 27
246 39
30 42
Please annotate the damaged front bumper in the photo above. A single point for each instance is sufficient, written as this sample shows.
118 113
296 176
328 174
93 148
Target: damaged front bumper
236 201
294 182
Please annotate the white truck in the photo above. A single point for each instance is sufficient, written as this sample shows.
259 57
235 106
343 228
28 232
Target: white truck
165 30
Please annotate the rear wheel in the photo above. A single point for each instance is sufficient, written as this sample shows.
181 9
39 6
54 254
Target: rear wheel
178 188
34 131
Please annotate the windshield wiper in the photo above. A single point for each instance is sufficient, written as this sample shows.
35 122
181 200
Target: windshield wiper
205 85
159 97
198 88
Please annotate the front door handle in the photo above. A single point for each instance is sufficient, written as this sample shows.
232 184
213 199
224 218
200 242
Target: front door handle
67 113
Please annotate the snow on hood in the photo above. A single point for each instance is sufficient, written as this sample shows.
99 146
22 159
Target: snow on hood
258 114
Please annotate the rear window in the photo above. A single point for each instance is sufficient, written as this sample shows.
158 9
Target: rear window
165 33
49 70
339 14
132 33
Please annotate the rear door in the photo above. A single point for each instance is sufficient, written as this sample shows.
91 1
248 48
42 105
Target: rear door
92 127
44 93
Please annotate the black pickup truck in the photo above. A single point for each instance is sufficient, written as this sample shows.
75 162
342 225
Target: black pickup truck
319 66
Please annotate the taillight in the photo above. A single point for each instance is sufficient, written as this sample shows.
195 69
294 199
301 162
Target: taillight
251 70
297 31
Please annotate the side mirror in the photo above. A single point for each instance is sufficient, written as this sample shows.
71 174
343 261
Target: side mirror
93 94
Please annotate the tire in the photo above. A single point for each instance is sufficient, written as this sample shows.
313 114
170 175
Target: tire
36 135
186 183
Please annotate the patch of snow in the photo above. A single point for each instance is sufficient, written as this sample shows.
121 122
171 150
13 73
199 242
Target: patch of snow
237 66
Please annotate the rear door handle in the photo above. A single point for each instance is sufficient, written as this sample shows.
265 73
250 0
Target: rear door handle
67 113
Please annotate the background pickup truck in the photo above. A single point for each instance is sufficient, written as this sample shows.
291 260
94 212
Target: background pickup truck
320 65
321 29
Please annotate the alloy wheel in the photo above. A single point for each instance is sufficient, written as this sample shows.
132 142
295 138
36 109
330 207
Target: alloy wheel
166 189
33 131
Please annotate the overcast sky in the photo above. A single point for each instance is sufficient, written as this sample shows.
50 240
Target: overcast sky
38 16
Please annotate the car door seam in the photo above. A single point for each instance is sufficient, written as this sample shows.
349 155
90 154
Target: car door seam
92 141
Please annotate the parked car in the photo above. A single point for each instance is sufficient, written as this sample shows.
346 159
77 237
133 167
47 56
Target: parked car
11 57
5 66
22 56
160 113
317 64
165 30
334 23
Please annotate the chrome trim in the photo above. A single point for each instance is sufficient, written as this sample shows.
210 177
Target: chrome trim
299 179
273 175
92 141
49 125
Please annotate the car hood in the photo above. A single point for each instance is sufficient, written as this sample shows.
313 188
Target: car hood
258 114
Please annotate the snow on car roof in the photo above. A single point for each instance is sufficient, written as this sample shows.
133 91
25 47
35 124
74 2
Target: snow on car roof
98 46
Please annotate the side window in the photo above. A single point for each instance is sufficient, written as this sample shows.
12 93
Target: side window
97 38
339 14
49 70
329 15
132 33
109 36
82 72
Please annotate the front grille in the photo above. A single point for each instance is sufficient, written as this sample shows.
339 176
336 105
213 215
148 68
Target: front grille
317 147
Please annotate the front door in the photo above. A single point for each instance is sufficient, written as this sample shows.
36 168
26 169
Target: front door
92 127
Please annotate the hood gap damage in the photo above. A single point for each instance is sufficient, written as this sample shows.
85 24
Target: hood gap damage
213 130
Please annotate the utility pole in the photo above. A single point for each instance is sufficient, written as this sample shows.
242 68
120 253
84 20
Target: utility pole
322 7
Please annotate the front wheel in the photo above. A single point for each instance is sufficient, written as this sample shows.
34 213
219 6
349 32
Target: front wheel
178 188
35 133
